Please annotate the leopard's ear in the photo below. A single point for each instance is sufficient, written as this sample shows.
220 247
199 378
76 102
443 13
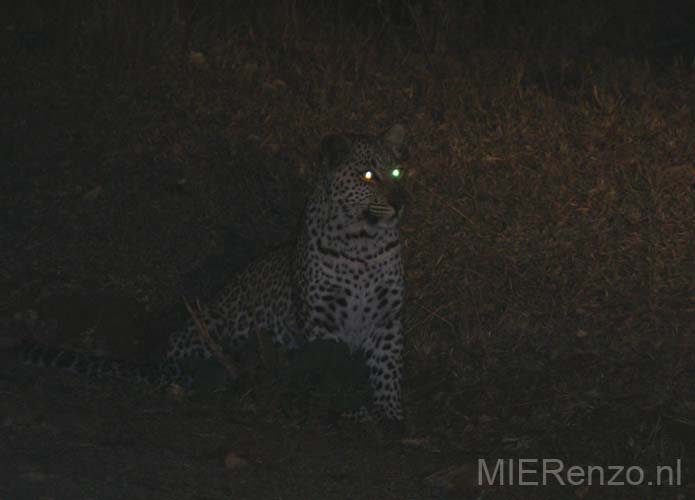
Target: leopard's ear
334 149
394 140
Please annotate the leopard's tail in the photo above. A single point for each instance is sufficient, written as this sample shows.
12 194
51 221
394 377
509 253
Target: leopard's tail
101 367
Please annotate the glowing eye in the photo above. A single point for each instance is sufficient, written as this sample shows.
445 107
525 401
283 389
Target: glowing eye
368 175
396 172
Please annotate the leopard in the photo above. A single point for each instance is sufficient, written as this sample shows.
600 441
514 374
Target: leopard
341 280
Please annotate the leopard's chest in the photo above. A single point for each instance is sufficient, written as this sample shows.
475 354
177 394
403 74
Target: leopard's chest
352 291
368 305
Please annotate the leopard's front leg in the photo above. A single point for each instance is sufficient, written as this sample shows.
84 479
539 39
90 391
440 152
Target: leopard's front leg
384 350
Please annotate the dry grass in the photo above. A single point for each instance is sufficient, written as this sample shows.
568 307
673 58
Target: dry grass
550 243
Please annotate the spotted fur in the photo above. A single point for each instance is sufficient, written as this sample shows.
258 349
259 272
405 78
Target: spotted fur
342 280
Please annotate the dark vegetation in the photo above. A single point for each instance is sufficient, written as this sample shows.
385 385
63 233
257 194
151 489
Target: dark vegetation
149 149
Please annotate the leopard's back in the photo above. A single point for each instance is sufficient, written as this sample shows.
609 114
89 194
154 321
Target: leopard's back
259 299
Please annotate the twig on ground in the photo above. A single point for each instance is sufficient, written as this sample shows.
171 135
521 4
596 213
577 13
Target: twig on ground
209 342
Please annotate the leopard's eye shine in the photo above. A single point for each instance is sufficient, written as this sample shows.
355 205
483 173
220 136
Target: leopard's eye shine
396 173
368 175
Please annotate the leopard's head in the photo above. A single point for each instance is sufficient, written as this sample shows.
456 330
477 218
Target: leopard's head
365 176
